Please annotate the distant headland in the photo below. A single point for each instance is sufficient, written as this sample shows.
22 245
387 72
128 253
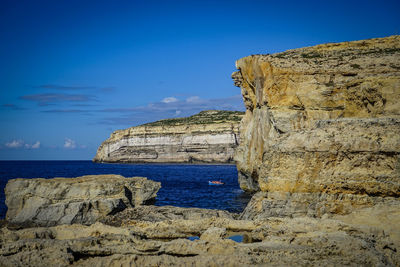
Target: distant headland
208 137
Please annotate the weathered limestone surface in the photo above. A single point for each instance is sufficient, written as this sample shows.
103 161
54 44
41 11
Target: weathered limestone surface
274 241
163 213
84 199
321 133
207 137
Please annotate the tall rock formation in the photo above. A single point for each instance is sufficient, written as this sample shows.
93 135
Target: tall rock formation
321 133
207 137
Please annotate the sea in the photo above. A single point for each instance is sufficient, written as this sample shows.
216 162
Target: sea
182 185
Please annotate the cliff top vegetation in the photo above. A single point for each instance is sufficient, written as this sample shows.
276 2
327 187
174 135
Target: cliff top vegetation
204 117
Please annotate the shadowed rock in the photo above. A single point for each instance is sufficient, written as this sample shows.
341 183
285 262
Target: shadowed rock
156 214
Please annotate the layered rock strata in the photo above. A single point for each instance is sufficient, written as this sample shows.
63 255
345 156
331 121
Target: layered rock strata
321 133
207 137
84 200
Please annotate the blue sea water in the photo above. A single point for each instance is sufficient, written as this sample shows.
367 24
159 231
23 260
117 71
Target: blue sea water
181 185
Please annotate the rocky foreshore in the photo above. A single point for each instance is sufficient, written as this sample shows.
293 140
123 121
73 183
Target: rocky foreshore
208 137
145 235
319 148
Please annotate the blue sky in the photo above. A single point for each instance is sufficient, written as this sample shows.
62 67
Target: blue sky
71 72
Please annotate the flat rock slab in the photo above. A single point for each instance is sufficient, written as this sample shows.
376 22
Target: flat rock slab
84 200
164 213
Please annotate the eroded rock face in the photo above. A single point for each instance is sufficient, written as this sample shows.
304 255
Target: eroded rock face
207 137
321 133
83 200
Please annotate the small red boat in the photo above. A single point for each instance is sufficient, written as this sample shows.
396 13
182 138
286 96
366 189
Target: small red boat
215 183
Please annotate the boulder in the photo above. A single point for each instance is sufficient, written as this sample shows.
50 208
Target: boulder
84 200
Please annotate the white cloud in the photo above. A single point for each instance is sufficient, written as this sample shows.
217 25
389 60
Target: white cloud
15 144
36 145
21 143
170 99
69 143
193 99
177 112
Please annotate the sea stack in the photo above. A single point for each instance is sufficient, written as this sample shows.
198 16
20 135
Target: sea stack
207 137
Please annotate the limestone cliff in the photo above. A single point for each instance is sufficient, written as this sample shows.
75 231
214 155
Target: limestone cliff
208 137
321 133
